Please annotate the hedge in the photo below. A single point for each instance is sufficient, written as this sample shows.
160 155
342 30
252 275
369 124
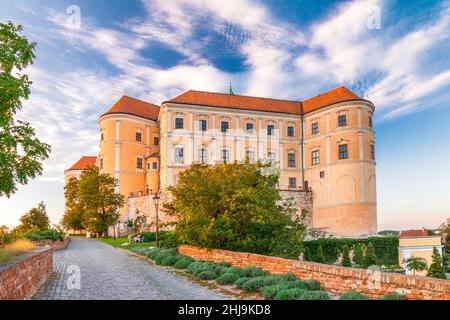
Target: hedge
44 235
386 248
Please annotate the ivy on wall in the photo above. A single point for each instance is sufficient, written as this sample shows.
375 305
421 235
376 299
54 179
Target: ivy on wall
386 248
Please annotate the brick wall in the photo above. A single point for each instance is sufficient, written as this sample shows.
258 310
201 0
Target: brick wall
21 278
55 245
334 279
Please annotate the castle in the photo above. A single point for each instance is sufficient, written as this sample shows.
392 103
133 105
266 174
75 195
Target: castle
323 147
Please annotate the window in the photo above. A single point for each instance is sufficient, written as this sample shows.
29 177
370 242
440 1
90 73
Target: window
250 155
148 166
179 123
271 157
101 163
291 160
202 155
342 120
315 157
343 153
370 122
270 129
372 152
225 155
139 163
249 128
293 183
138 136
203 125
322 174
154 165
156 141
101 137
224 126
306 185
179 157
315 128
290 131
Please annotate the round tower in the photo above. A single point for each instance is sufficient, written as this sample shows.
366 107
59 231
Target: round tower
129 138
339 159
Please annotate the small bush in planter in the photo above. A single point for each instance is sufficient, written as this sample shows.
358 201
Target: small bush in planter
313 285
353 295
183 263
394 296
227 278
234 270
241 281
200 266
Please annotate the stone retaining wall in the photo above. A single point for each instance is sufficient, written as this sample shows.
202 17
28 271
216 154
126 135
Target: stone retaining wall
21 278
334 279
55 245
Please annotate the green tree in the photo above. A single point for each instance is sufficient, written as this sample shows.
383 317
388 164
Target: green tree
358 254
74 214
21 153
415 264
35 219
99 200
236 207
320 256
370 258
346 257
436 269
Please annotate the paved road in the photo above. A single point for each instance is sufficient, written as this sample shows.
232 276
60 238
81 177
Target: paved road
110 273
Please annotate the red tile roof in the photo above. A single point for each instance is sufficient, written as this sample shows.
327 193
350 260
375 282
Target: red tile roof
330 97
83 163
265 104
413 233
238 102
136 107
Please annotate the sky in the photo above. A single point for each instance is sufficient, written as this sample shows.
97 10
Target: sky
394 53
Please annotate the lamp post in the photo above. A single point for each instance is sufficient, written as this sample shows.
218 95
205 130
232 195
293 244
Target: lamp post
156 199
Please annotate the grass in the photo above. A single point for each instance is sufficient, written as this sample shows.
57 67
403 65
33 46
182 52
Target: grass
12 251
117 243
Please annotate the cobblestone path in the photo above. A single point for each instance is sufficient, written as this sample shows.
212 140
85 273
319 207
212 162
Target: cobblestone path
110 273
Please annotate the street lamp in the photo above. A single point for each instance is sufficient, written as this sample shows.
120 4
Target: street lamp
156 199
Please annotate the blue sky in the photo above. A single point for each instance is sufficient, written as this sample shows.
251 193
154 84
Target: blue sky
395 53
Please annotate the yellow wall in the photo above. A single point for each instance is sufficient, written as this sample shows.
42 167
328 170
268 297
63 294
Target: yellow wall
421 247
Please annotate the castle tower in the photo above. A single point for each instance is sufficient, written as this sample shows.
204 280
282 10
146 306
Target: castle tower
129 141
339 158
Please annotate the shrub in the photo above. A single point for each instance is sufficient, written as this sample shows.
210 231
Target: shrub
207 275
270 292
346 257
241 281
320 256
234 270
307 254
252 272
358 256
290 294
370 258
183 263
44 235
200 266
394 296
171 240
151 236
313 285
257 283
315 295
289 277
353 295
228 278
170 260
